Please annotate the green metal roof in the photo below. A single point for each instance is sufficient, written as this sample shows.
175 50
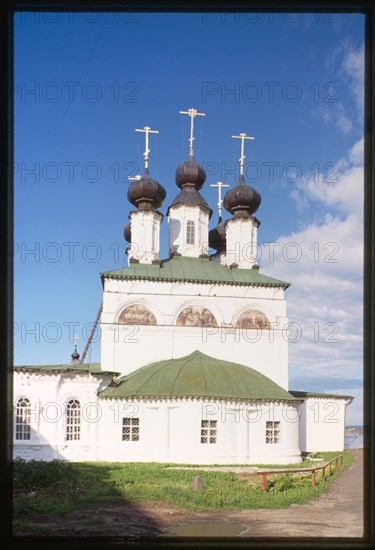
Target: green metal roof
196 375
92 368
180 268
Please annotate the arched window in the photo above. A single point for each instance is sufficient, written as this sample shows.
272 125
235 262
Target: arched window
73 420
190 232
23 418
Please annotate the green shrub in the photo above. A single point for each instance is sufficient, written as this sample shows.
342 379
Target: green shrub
33 475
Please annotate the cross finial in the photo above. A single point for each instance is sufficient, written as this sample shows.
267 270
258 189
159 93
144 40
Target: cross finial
147 130
192 114
219 186
242 137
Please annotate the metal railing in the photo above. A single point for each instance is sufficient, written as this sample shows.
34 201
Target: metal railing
338 460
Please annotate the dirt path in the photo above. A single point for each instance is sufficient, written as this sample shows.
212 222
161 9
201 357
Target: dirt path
338 513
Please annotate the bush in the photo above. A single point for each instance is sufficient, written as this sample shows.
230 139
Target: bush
33 475
280 483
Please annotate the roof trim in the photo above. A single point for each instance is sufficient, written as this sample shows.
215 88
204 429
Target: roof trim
205 397
307 394
108 275
93 368
194 271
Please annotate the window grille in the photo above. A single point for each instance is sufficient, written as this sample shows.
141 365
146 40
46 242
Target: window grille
130 429
23 419
73 420
208 431
272 432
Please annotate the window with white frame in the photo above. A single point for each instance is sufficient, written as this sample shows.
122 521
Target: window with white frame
190 232
208 431
73 420
272 432
130 429
23 419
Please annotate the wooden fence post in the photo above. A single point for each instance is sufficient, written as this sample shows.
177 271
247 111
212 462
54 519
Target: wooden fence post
324 473
264 482
313 478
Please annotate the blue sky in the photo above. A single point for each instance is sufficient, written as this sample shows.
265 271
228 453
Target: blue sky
84 82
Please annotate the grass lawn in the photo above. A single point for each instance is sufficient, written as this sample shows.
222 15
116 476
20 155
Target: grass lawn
57 488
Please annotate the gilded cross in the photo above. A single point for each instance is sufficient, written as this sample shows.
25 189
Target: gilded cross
147 130
192 113
242 137
219 186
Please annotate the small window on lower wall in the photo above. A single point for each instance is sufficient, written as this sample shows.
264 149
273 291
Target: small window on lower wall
208 431
130 429
272 432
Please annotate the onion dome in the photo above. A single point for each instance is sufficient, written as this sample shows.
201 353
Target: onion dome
190 173
190 177
217 237
128 233
190 196
75 355
146 193
242 201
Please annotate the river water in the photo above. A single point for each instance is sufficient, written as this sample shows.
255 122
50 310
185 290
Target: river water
354 442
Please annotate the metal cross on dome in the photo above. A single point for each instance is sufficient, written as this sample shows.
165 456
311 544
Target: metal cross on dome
146 130
192 113
242 137
219 186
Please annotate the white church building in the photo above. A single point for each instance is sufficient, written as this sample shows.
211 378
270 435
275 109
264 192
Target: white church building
194 359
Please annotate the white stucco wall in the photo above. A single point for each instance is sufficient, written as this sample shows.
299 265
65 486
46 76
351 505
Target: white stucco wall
322 426
170 431
242 234
145 236
48 394
126 348
177 220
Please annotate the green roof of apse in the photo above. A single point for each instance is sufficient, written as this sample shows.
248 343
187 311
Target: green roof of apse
196 375
180 268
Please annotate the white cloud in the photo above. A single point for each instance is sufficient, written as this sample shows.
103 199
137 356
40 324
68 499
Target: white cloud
340 188
353 69
334 114
356 153
325 299
347 66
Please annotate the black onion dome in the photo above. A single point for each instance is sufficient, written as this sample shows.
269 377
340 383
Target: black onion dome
190 173
75 355
217 237
128 233
146 193
191 197
242 200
